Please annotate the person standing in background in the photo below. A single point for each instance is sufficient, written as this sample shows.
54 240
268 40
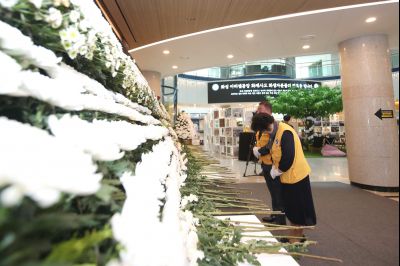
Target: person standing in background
261 151
286 119
293 170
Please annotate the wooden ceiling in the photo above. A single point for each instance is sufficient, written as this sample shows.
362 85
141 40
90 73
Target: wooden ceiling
141 22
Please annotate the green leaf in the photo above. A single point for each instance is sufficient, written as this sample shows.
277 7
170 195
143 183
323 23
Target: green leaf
76 248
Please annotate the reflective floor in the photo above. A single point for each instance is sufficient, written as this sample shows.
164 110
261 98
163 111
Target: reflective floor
323 169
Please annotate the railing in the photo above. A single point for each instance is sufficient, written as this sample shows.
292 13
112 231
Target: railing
281 67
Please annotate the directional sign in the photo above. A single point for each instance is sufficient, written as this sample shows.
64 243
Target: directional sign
381 114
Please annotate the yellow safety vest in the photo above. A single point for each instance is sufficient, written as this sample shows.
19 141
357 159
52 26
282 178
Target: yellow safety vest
300 168
263 141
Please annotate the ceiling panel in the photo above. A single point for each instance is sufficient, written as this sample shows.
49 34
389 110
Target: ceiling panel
273 38
146 21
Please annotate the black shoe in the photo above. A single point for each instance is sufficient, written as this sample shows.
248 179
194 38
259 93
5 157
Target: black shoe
268 219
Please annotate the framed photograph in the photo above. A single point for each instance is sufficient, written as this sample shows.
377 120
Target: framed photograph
326 123
216 132
335 129
229 150
223 149
216 124
335 123
222 140
237 112
341 123
317 123
221 122
229 141
236 132
216 114
236 151
228 131
326 130
318 129
228 112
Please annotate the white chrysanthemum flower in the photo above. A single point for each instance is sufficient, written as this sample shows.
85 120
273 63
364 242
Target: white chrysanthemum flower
37 3
65 3
74 16
85 136
11 79
8 3
12 41
84 25
40 166
43 58
54 17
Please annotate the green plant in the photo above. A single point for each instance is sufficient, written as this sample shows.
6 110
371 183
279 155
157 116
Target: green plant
307 104
302 103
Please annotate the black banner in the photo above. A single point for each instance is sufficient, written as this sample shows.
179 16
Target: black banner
253 90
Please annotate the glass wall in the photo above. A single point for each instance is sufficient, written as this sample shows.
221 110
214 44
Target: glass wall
169 95
317 66
302 67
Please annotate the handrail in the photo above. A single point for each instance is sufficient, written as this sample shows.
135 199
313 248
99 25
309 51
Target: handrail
326 68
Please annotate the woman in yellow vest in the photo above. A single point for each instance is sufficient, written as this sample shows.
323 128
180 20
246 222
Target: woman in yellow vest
261 151
290 165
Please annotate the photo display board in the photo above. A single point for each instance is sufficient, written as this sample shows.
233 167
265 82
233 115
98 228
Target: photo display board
253 90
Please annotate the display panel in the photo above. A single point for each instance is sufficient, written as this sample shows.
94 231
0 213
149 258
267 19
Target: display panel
253 90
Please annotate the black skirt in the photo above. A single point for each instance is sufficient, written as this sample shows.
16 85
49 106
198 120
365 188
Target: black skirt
298 203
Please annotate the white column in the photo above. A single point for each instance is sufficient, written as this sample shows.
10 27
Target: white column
372 143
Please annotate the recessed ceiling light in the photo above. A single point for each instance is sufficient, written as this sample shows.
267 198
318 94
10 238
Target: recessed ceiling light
307 37
175 67
370 20
305 47
166 52
249 35
230 56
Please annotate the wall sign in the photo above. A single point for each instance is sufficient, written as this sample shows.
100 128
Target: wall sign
253 90
383 114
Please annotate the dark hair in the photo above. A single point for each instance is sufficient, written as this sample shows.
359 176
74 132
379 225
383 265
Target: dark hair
267 105
287 118
261 122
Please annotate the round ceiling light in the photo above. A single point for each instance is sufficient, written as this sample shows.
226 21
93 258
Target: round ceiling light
307 37
305 47
175 67
166 52
249 35
370 20
230 56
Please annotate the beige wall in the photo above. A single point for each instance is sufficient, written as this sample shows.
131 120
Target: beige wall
154 80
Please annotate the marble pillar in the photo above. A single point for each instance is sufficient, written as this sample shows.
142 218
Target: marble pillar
372 144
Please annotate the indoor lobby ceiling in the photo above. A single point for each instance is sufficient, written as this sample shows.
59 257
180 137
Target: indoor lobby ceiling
281 32
141 22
